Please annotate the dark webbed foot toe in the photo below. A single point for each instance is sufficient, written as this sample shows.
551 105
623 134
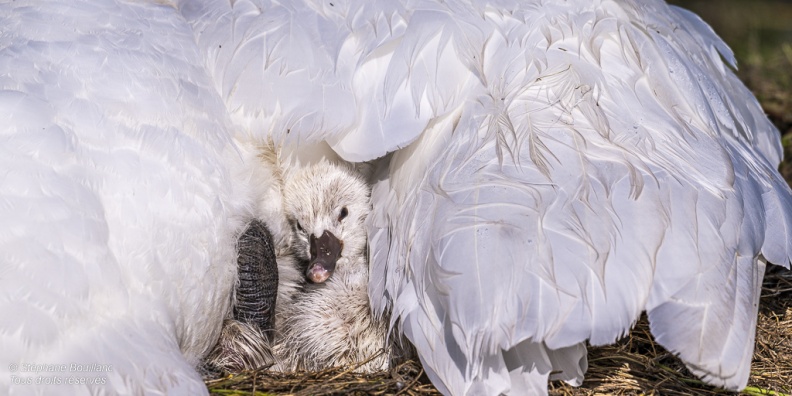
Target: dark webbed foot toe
258 278
245 340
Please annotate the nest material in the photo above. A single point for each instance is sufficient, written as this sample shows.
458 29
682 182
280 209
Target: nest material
638 365
405 379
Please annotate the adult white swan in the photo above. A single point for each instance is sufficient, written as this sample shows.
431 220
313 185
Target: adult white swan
560 168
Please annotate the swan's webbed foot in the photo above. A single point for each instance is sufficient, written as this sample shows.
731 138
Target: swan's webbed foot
245 341
258 278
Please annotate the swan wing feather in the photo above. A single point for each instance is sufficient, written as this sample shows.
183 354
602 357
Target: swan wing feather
118 245
619 167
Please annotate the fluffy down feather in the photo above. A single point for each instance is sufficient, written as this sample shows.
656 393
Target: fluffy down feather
331 324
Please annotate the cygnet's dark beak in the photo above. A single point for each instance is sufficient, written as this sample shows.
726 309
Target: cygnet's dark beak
325 251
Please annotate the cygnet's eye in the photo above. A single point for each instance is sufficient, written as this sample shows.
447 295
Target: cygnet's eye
299 227
343 214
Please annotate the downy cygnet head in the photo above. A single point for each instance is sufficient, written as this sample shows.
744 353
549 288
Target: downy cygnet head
326 205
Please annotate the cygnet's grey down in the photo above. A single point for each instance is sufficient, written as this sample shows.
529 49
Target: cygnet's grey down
328 321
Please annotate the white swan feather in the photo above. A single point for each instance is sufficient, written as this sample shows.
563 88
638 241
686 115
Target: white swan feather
557 169
119 212
581 162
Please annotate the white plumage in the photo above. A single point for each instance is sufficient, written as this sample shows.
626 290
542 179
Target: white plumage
119 215
559 168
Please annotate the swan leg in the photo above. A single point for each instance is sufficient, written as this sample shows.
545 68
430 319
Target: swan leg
257 291
245 340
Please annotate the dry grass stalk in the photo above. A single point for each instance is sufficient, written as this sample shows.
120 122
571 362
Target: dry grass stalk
404 379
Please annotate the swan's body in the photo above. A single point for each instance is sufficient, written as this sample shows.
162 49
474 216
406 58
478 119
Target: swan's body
315 326
331 324
119 212
559 168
